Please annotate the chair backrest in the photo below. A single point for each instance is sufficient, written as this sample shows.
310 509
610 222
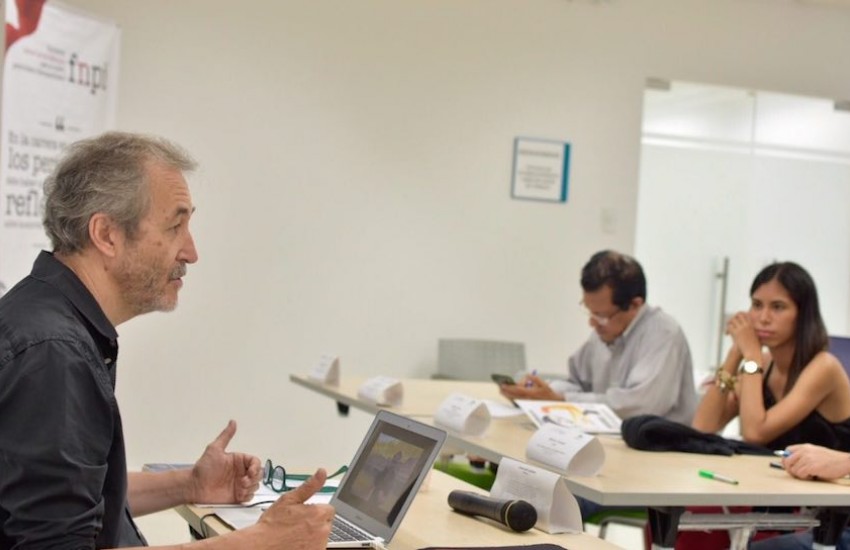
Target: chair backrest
464 359
839 346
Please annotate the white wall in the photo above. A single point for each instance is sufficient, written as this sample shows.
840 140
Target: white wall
751 209
354 191
701 197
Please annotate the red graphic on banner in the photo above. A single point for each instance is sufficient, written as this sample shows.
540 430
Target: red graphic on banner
29 12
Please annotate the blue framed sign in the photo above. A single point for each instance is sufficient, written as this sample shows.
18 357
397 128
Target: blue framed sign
541 169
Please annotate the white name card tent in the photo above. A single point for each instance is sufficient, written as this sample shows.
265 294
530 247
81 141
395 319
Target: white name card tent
463 414
566 449
327 371
557 509
382 390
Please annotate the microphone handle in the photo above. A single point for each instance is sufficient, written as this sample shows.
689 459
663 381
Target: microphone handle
479 505
517 515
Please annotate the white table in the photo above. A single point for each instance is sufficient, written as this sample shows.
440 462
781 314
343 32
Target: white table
431 522
665 482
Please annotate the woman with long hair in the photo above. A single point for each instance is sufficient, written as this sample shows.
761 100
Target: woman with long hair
796 393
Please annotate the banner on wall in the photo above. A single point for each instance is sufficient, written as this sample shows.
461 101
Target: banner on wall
60 75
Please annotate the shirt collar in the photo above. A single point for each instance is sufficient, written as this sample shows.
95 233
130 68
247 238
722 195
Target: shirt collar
641 312
53 272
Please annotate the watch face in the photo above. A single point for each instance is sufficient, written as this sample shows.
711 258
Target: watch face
751 367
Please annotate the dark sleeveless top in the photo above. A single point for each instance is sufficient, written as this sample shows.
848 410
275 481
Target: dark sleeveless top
813 429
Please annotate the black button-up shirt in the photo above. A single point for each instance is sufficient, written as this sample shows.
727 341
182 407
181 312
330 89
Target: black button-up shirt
63 472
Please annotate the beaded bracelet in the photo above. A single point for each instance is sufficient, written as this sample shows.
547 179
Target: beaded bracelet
724 381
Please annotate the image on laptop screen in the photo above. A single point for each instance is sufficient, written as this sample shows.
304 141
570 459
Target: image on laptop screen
387 471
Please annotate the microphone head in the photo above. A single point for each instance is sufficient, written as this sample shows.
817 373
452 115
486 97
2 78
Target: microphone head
520 516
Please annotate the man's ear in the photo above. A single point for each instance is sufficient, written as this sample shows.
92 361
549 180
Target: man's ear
637 301
105 234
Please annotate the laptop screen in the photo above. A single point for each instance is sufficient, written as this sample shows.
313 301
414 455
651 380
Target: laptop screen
386 473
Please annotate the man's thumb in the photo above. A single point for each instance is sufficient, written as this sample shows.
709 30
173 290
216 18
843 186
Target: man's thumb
225 436
307 489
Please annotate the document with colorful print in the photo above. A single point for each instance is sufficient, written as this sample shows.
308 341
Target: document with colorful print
594 418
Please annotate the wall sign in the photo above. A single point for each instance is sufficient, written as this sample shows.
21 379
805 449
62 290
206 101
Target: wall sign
541 169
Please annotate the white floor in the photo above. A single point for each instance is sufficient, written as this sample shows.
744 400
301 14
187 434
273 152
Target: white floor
624 536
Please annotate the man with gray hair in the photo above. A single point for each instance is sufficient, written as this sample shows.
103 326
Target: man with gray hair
117 213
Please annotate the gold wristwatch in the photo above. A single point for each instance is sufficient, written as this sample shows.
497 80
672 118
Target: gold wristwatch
750 367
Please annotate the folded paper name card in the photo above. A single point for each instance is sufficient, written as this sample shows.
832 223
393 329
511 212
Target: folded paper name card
463 414
327 371
381 390
566 449
557 509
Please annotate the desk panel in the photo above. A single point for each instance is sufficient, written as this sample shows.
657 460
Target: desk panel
431 522
629 477
421 396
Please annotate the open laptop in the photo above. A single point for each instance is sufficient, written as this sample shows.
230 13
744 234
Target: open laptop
382 480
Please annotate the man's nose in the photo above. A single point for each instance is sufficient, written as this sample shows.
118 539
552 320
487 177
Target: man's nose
189 253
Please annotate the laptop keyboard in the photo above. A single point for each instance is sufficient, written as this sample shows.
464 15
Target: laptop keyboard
342 531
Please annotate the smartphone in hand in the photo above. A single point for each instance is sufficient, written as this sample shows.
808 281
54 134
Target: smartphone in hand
502 379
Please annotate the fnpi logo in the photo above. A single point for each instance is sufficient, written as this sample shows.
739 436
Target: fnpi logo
85 74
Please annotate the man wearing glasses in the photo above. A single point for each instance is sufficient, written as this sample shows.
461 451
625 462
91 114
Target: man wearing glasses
117 211
637 359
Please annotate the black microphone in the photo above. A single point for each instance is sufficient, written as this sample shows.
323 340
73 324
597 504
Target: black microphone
517 515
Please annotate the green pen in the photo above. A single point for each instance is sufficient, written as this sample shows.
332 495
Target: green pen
711 475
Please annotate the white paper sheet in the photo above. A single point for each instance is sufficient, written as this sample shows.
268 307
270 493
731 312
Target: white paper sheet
557 509
265 494
595 418
568 450
382 390
502 410
463 414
